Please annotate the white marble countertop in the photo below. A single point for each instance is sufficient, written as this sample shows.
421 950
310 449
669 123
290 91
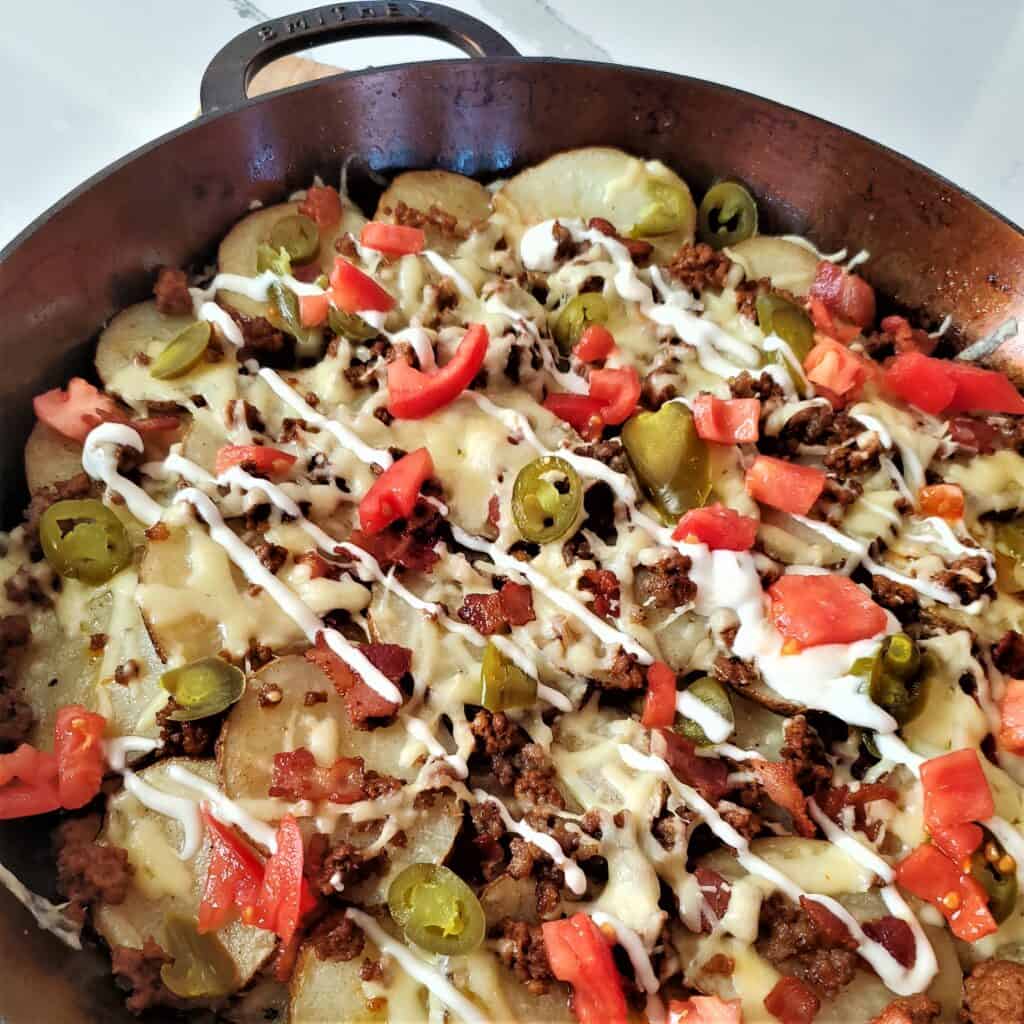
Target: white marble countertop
85 83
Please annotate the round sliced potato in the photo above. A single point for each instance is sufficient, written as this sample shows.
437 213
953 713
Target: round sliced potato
237 253
599 181
143 331
461 197
788 265
164 884
50 457
326 991
64 665
254 732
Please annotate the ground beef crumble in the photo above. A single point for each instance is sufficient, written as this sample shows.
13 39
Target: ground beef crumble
791 939
666 584
521 948
88 872
337 937
171 292
968 577
341 862
626 674
188 739
919 1009
899 598
994 993
698 266
515 762
804 750
138 971
764 387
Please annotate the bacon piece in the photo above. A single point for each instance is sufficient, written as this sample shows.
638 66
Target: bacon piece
517 603
831 928
780 785
708 775
716 892
297 776
604 585
395 548
361 700
896 936
484 612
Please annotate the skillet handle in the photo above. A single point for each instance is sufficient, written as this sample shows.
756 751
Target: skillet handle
228 75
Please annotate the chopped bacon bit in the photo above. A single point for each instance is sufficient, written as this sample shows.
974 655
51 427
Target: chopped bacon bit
604 585
716 892
792 1001
708 775
361 700
494 511
831 928
297 776
484 613
517 603
896 936
780 785
906 338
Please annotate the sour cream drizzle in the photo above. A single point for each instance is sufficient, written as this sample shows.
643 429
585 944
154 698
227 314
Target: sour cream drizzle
426 975
537 251
899 979
99 460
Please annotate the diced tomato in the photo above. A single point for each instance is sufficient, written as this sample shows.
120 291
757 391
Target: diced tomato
579 954
517 603
660 701
705 1010
955 790
1011 728
920 381
617 392
395 492
784 485
829 325
393 239
313 309
353 291
413 394
78 744
943 500
844 294
261 458
961 899
323 205
234 876
727 421
28 783
825 609
958 841
834 367
779 783
907 338
76 411
361 700
708 775
792 1001
280 902
979 390
581 412
297 776
720 528
596 343
895 934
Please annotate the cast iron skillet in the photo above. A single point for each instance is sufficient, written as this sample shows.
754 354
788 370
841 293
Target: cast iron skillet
935 249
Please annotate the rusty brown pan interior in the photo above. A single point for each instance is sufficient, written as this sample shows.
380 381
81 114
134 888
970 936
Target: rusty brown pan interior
935 250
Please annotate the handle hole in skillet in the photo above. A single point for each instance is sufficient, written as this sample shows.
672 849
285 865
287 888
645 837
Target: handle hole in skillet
321 61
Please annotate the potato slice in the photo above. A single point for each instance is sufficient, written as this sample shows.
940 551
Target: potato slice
59 667
143 330
162 883
253 734
598 181
50 457
465 199
788 265
323 992
237 252
196 603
